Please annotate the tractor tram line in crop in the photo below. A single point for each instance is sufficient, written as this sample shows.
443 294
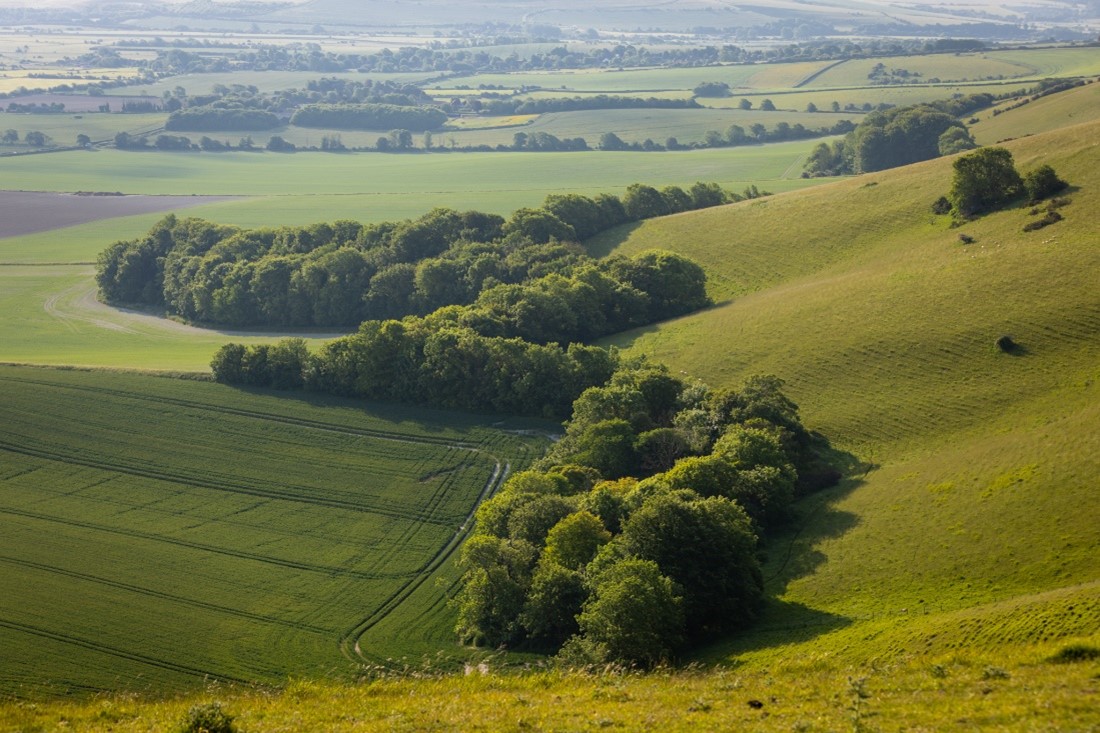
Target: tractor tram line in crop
413 536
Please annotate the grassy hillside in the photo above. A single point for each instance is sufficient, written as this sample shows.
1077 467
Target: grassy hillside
980 466
1043 115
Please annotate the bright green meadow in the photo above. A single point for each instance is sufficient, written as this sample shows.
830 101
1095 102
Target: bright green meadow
975 495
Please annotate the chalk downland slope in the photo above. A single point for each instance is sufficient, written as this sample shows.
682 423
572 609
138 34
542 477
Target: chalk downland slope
973 518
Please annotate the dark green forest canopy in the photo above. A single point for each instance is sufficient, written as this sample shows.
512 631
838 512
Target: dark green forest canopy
344 272
637 534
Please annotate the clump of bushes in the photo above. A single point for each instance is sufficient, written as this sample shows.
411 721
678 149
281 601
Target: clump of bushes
1075 653
987 180
1043 182
1052 217
209 717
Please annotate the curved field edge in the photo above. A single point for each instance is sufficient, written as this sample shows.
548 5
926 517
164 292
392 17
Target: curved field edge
162 532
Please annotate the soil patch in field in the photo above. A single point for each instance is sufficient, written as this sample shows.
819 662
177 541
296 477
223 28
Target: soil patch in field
27 212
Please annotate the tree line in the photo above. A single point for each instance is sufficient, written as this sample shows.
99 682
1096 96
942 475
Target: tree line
890 138
342 273
369 117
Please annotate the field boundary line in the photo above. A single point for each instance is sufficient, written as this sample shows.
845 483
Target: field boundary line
349 640
806 80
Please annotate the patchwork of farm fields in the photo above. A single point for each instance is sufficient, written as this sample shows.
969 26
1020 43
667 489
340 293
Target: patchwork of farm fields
157 532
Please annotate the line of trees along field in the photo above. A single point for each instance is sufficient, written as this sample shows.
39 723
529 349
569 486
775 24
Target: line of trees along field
343 273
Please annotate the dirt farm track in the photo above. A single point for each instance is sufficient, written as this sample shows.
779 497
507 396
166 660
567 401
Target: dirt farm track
26 212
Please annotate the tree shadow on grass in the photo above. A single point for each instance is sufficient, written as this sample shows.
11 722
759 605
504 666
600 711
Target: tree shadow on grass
397 416
791 553
604 243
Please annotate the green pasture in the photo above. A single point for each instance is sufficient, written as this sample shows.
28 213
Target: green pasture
1043 115
738 76
973 486
161 533
63 128
1029 64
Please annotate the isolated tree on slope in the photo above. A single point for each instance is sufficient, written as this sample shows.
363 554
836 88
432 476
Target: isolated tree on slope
983 181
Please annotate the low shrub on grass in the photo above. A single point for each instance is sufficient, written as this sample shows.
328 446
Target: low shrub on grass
1075 653
208 718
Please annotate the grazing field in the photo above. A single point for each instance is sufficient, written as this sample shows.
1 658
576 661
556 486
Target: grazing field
1031 64
975 508
157 532
1043 115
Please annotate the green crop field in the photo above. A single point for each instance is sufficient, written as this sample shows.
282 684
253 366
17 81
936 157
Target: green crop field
512 179
156 531
63 128
637 125
747 76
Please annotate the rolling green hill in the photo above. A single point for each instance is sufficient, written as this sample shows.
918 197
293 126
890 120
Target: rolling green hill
934 588
979 480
